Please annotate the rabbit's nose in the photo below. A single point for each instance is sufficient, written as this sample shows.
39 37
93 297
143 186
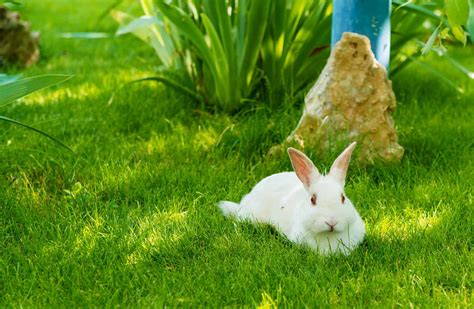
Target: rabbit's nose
331 223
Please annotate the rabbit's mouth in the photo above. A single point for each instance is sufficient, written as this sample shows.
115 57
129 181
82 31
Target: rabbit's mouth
332 231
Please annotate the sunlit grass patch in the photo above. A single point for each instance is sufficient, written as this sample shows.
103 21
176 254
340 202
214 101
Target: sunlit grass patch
406 224
153 232
132 219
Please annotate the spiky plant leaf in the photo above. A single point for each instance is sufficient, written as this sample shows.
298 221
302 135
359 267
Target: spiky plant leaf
470 21
457 11
20 88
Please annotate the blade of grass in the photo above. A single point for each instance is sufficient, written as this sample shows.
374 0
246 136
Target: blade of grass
437 73
165 80
38 131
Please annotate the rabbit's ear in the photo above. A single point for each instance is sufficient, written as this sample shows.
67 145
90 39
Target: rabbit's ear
304 168
340 165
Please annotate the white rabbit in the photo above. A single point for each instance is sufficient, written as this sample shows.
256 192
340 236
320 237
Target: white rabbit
307 207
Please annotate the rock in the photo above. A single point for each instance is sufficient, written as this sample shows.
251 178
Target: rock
18 45
352 100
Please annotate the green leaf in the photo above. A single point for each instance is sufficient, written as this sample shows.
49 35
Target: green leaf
307 40
459 33
107 11
165 80
162 39
417 9
297 10
241 28
457 11
137 24
470 21
20 88
256 24
38 131
460 67
124 19
186 25
5 78
431 40
225 34
145 28
86 35
219 60
444 34
12 5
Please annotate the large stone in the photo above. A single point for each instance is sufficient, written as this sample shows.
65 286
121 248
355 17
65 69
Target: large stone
352 100
18 45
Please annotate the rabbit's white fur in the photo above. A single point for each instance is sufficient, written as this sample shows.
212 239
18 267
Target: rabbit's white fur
284 201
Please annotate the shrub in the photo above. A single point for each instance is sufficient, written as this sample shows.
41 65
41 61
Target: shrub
235 52
226 48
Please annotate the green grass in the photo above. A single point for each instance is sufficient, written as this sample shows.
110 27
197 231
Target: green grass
131 220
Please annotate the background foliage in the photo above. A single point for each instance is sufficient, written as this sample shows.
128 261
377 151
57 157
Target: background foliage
232 52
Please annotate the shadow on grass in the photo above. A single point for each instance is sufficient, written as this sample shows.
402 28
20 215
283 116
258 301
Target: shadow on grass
224 259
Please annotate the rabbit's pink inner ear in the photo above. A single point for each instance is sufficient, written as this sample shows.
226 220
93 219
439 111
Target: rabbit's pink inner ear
341 164
304 168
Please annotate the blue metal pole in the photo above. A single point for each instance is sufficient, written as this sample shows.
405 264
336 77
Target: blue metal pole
367 17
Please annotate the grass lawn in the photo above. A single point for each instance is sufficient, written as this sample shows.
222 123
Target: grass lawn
131 220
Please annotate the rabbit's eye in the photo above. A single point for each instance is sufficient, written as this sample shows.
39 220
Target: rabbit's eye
313 199
343 198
